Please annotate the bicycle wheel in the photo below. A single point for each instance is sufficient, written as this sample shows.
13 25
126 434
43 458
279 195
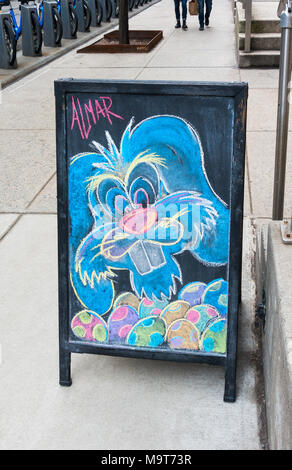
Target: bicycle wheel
87 14
73 20
99 12
108 10
58 27
10 42
36 33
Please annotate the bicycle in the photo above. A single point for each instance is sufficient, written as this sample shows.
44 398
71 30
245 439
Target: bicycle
131 4
57 22
17 28
108 9
99 11
72 15
86 13
9 36
116 8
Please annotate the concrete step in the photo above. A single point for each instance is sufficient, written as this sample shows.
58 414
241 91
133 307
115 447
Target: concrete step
261 41
259 59
264 17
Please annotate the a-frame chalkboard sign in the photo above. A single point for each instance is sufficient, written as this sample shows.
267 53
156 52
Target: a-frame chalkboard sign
150 208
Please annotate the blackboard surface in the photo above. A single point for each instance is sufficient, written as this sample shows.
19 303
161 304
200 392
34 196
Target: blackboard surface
150 199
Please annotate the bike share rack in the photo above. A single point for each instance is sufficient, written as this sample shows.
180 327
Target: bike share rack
92 6
49 36
80 15
103 5
27 37
4 61
65 16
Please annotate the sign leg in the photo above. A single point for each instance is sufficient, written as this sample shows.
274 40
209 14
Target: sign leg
65 368
230 377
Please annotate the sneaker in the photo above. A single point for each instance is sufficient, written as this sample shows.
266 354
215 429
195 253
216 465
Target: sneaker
184 25
201 28
206 21
177 24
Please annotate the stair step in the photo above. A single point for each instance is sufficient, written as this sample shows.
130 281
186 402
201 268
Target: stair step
264 17
259 59
262 41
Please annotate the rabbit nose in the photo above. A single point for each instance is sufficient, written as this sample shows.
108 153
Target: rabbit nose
139 221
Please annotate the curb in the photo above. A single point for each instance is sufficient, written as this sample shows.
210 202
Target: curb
12 75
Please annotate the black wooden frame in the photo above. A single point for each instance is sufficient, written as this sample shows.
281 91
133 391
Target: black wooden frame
238 92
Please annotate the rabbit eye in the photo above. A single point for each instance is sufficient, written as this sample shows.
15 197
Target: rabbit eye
116 201
142 192
141 197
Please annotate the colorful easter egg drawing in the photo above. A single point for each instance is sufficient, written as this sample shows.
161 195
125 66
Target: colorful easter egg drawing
192 293
216 294
127 298
148 332
182 334
214 337
174 311
149 307
201 315
120 322
89 326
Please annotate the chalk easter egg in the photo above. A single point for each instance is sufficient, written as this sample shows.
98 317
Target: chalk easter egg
201 315
192 293
182 334
89 326
216 294
120 322
214 337
127 298
148 332
174 311
149 307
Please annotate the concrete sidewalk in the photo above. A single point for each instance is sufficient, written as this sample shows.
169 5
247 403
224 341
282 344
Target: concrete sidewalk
117 403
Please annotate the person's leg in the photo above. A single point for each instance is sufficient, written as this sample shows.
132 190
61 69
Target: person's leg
177 13
208 11
201 13
184 13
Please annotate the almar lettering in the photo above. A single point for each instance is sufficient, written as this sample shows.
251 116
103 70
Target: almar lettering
86 115
112 460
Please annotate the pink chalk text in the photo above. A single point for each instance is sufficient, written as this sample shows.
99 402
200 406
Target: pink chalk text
84 116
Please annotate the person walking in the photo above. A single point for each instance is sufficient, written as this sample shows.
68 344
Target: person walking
204 17
184 13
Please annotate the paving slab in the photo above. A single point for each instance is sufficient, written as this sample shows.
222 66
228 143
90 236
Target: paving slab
46 201
261 158
260 78
224 74
28 161
6 222
211 58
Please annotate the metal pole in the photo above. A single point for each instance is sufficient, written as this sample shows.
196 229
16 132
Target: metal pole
248 14
283 113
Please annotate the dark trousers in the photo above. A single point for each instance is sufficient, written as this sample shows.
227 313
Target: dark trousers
177 9
201 10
